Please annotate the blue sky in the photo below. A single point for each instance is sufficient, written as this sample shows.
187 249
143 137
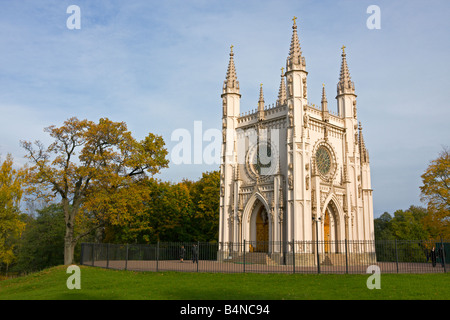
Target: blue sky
160 66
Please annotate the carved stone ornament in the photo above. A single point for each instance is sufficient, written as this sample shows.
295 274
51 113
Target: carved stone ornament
305 120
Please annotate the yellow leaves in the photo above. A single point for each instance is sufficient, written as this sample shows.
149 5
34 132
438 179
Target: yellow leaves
11 226
10 184
435 192
94 167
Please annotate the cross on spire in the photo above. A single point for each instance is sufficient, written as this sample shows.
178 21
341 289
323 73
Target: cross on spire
231 79
295 59
345 83
294 26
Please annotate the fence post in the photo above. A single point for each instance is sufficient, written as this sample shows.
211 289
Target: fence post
81 254
198 253
93 253
443 255
107 256
126 257
157 256
346 256
244 255
396 254
317 254
293 256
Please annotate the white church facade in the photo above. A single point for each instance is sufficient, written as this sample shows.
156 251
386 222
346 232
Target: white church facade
294 171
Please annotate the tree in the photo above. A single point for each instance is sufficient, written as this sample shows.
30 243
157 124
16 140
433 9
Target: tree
404 225
407 225
88 163
185 211
205 195
11 226
42 240
435 192
382 226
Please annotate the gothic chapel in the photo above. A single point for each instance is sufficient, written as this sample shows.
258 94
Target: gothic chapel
294 171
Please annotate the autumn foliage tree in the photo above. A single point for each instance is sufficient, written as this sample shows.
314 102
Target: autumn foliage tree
97 170
184 211
11 226
435 192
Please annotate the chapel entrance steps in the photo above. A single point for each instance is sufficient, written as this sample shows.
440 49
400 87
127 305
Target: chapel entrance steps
253 258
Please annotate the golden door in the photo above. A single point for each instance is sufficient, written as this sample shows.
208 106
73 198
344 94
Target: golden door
326 231
262 232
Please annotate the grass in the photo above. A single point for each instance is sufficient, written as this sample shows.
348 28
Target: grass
105 284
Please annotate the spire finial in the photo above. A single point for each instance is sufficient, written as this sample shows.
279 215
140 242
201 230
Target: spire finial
261 115
261 94
362 146
345 84
295 59
282 91
231 78
324 98
325 114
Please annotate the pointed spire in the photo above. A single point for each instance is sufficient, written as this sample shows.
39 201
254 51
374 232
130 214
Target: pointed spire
364 154
231 85
282 92
261 103
295 59
324 99
345 84
261 94
325 114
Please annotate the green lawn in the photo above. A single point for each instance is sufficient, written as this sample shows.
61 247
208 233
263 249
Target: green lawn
97 283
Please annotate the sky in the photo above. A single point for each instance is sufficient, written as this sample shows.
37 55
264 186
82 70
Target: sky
159 66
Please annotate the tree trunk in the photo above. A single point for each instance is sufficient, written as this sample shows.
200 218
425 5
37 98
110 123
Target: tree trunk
69 241
69 247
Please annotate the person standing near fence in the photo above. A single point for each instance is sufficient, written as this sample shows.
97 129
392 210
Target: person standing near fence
182 252
194 253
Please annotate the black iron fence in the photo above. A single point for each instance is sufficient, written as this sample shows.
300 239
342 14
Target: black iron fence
393 256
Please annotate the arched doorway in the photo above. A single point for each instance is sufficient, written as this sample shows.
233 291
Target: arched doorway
262 230
330 228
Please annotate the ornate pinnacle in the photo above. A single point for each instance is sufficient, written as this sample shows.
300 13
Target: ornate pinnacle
295 53
231 83
261 103
345 84
325 115
364 154
282 92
